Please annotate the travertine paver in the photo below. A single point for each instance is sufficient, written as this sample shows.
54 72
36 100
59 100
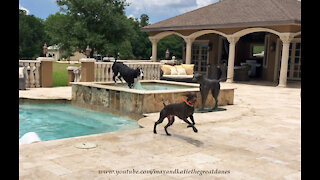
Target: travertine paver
259 137
46 93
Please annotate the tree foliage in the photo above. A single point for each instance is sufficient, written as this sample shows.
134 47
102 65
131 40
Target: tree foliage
141 46
61 30
173 43
101 24
97 23
31 36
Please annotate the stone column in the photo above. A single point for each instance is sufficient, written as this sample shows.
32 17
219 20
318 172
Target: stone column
154 48
46 71
87 69
286 38
189 42
232 47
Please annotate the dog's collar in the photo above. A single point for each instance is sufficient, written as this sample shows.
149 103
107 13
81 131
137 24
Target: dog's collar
187 102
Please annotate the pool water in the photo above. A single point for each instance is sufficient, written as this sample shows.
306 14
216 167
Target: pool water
57 121
153 86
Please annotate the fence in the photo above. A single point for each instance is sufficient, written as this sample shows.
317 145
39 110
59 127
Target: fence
33 72
103 70
38 72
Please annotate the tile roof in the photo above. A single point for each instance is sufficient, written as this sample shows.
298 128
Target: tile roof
234 13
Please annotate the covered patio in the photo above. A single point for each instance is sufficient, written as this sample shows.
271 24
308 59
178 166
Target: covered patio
228 31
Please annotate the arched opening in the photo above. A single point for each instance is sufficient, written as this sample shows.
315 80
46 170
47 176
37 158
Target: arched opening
171 44
255 55
167 33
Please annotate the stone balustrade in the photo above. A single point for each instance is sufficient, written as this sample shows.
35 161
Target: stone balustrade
103 70
33 72
39 72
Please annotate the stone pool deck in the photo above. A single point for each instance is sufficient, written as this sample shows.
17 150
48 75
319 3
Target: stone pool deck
259 137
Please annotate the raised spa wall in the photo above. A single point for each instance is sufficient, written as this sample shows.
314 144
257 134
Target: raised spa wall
107 98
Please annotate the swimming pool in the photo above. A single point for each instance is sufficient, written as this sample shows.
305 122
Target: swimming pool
151 86
57 121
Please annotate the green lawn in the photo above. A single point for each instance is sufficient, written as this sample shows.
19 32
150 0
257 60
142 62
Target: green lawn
258 49
60 74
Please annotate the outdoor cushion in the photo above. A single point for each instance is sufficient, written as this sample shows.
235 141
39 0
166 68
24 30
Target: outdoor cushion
178 77
188 68
180 70
166 69
173 70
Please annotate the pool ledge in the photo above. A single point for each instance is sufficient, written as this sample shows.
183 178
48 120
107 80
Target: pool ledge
102 95
109 85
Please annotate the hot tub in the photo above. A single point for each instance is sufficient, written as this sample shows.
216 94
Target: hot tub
108 97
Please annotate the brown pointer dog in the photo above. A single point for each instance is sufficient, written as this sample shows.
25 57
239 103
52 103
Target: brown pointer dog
182 110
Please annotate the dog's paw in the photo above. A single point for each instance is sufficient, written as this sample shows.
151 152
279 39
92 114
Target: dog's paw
155 132
168 134
195 130
189 126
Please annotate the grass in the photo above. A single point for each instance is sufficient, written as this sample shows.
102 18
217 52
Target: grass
60 74
258 49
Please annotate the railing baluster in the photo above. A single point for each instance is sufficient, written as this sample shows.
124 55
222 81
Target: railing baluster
27 75
32 81
37 76
103 69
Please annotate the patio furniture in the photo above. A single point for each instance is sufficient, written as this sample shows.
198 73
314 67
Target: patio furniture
254 65
241 73
22 77
179 73
178 78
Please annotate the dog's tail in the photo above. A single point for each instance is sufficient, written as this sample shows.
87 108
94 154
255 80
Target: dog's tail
163 103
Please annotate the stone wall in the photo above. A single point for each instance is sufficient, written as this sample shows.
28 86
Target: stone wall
108 100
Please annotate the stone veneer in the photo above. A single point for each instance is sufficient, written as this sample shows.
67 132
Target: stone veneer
107 98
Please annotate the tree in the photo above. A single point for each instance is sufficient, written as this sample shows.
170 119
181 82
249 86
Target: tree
141 46
144 20
97 23
59 29
173 43
31 36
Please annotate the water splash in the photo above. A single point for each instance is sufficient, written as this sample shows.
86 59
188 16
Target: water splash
137 85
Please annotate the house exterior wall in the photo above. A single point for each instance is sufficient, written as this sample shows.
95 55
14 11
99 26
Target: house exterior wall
55 52
242 47
213 53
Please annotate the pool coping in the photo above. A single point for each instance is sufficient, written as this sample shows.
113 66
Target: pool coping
44 100
104 85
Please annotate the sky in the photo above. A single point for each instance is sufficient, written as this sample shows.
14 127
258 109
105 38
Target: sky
157 10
